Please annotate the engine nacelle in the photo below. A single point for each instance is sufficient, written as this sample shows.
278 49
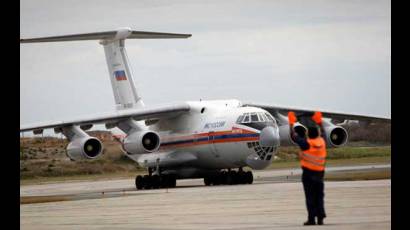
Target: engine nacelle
336 136
84 148
140 142
285 137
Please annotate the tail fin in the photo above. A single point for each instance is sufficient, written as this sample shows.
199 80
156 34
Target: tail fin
125 92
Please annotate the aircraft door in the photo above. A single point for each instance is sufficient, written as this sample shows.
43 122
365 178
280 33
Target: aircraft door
211 139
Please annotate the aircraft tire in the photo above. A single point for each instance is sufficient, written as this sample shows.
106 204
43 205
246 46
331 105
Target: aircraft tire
211 180
240 178
216 179
223 176
147 182
139 182
164 181
207 181
231 180
249 177
155 180
172 181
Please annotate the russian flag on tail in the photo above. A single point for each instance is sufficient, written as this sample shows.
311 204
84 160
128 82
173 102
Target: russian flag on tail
120 75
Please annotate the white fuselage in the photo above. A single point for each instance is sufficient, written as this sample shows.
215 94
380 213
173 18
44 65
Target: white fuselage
209 137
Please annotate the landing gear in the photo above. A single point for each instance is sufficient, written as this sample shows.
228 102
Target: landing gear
249 177
138 182
229 178
207 181
155 181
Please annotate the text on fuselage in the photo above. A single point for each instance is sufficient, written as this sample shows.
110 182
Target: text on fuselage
214 125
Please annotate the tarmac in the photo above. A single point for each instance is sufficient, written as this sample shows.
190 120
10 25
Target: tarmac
275 201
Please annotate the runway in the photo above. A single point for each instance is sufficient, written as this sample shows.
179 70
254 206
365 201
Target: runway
272 202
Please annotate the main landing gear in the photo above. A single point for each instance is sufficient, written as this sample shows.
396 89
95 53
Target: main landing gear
229 178
155 181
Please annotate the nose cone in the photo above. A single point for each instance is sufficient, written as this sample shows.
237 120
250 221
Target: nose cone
269 136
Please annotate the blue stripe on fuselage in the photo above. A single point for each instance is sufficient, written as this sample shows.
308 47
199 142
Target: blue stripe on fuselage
218 137
236 135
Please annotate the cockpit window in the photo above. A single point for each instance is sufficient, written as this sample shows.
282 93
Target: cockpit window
240 118
246 119
262 117
255 117
269 117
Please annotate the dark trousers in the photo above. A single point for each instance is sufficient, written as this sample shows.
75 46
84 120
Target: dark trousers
314 193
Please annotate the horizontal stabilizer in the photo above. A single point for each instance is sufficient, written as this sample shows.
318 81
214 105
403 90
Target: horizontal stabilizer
123 33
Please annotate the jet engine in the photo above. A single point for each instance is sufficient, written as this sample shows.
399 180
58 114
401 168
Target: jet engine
285 137
84 148
336 136
139 142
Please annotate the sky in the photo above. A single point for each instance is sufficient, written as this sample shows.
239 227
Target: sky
333 55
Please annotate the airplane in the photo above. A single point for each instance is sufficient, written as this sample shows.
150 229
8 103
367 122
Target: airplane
213 139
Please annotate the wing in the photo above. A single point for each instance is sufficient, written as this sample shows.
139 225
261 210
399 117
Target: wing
274 110
167 111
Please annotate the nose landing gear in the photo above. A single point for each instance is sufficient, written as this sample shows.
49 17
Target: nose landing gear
229 178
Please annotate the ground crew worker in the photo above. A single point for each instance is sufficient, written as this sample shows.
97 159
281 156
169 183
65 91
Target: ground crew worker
312 160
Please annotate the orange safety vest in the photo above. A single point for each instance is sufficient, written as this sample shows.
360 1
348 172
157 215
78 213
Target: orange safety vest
314 158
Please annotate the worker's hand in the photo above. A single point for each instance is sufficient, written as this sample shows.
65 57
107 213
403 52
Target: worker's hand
292 118
317 117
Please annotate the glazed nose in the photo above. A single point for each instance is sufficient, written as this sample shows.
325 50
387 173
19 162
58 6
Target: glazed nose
269 136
